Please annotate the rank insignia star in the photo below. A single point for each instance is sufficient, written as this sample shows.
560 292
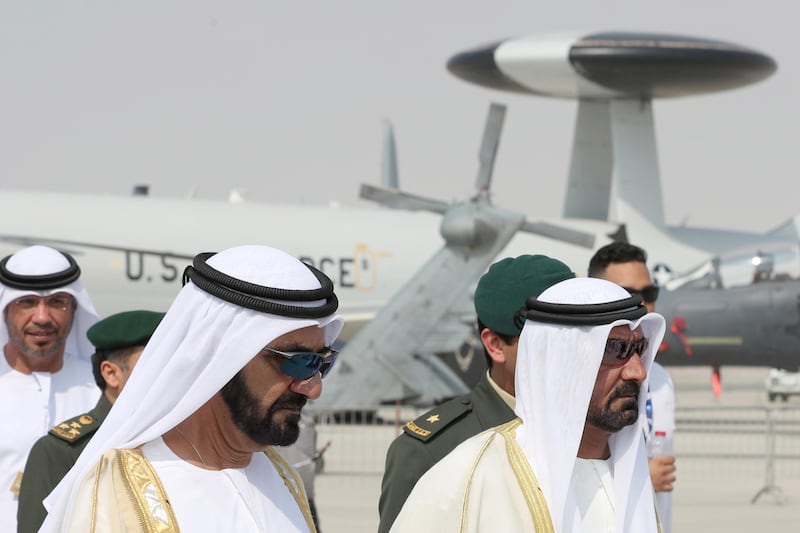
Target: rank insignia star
433 418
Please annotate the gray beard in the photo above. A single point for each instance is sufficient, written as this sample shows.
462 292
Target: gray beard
613 420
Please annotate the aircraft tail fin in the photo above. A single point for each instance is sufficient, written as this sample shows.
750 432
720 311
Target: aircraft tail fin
390 177
789 230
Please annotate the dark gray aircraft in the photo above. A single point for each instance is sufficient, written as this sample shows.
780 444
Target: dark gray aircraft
742 308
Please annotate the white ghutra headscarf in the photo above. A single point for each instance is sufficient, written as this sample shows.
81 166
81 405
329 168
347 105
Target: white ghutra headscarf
557 366
40 262
201 343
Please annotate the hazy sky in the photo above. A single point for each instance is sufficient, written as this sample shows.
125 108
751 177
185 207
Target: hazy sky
286 101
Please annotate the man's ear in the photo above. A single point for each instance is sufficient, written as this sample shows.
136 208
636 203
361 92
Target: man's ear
494 345
111 373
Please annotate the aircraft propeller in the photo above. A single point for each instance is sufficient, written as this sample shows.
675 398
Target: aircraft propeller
462 224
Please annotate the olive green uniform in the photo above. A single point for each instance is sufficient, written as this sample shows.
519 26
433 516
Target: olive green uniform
49 461
430 437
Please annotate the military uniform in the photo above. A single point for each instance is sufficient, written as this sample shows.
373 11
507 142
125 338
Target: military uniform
430 437
50 459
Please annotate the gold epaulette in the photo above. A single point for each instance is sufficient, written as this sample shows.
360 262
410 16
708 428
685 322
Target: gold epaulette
74 429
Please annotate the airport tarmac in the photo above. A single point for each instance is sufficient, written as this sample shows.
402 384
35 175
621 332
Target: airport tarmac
721 469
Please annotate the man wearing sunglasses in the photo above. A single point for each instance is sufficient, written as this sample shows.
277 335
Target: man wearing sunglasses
626 265
189 444
499 296
574 459
45 373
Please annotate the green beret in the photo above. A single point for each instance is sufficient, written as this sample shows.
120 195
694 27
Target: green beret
123 330
502 291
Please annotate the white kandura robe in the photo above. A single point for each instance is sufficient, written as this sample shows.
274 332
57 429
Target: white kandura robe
495 502
594 494
31 404
250 499
473 489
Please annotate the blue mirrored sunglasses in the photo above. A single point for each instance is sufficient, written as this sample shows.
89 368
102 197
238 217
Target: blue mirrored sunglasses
303 365
619 351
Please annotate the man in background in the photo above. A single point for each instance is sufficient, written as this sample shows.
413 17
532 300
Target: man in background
45 373
119 341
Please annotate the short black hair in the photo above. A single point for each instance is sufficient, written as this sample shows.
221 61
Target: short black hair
118 356
508 339
616 252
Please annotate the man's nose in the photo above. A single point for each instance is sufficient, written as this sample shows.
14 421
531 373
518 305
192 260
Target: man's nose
311 388
41 313
634 369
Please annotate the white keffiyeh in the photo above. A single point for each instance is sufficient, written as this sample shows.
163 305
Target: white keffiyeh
41 260
556 370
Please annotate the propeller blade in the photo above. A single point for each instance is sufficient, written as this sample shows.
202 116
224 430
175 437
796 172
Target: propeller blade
491 140
402 200
560 233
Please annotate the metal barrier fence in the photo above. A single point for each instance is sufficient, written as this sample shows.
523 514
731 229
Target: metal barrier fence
735 466
358 445
758 441
763 440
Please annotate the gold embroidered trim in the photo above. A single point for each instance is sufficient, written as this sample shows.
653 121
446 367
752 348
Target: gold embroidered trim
531 490
470 475
145 489
95 489
293 482
16 484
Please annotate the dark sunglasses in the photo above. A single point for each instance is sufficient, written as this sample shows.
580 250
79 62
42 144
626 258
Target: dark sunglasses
619 351
303 365
649 294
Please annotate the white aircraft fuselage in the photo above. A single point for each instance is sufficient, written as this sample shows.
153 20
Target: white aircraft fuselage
132 250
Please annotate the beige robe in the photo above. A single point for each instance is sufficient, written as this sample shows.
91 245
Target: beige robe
485 484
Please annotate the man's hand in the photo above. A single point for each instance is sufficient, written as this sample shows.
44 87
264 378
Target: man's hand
662 472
